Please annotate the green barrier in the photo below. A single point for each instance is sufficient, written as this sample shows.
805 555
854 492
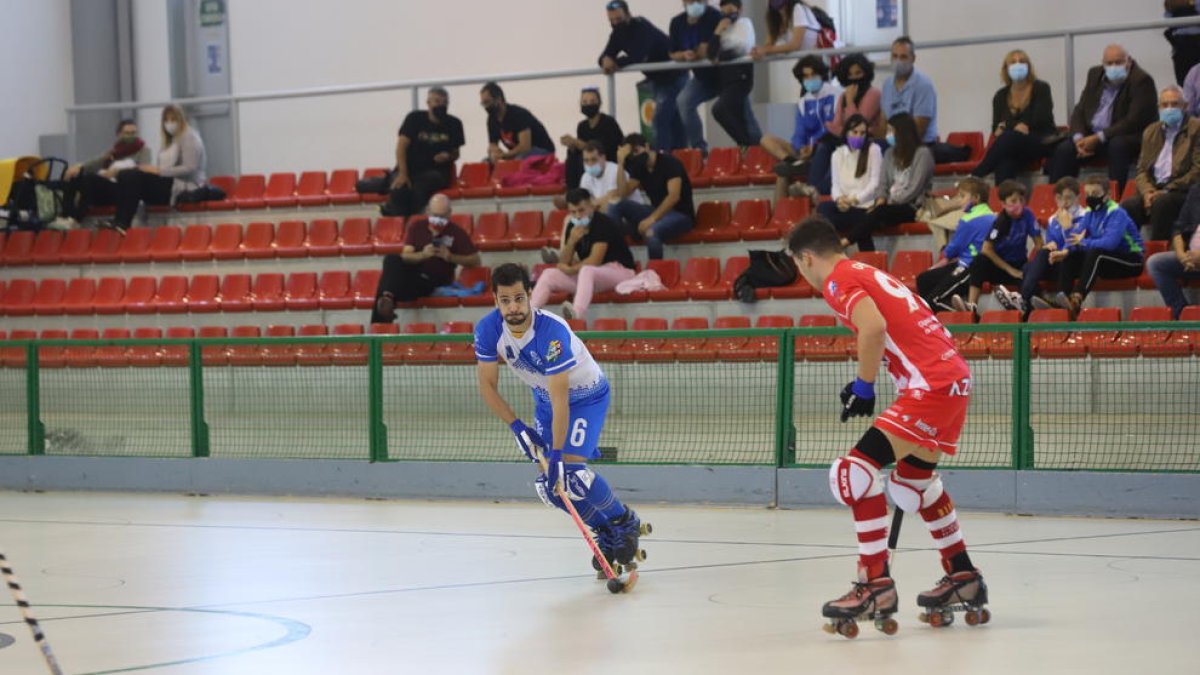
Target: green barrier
733 397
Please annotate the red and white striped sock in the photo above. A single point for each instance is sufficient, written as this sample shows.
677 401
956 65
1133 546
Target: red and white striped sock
871 526
940 516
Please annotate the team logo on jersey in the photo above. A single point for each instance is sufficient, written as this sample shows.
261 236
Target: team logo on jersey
833 288
553 351
508 351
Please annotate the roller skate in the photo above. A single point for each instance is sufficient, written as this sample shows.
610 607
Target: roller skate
874 599
619 542
956 592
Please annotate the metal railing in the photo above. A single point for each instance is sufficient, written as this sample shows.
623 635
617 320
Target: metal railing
1068 36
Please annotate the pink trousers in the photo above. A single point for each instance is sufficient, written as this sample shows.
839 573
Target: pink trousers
590 280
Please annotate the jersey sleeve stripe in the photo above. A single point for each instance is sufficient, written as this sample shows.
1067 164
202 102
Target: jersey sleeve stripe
566 365
852 301
486 358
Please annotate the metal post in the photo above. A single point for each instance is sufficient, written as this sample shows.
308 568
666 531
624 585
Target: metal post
1022 433
416 98
71 132
235 119
1069 61
785 376
376 431
33 401
612 94
196 392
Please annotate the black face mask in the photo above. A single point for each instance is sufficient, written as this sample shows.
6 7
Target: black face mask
439 112
492 109
849 83
1094 203
638 163
589 110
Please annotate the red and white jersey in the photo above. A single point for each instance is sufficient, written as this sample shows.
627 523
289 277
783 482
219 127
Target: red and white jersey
918 350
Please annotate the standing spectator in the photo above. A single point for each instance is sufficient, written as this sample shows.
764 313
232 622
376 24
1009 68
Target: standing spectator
1191 90
1044 266
856 168
670 213
949 276
910 91
1116 105
93 183
736 34
907 177
1185 40
814 112
593 258
596 126
1182 262
433 247
791 26
1002 257
181 166
427 147
513 126
1022 120
1169 164
636 40
600 181
1109 247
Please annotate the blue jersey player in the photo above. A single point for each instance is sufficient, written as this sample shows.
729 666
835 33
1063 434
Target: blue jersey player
571 396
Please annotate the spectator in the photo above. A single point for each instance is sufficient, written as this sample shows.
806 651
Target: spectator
692 40
1185 40
1108 247
596 126
426 150
636 40
670 213
1116 105
600 181
93 183
1169 164
594 258
911 91
1002 257
949 276
856 167
433 247
814 112
1191 90
856 73
1182 263
736 34
181 167
1022 120
513 126
907 177
1044 266
791 26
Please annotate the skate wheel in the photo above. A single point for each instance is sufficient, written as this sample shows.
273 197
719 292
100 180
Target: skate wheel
923 617
985 616
646 529
849 629
615 586
937 620
640 555
887 626
972 618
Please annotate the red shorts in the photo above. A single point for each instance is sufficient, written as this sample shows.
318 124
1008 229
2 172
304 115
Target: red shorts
932 419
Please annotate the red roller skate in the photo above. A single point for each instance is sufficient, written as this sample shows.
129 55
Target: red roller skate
874 599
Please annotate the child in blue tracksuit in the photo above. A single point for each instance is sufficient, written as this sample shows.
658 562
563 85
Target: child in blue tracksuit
950 276
1004 253
1109 247
811 147
1063 225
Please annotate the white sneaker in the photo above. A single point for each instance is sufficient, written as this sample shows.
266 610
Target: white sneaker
63 223
568 310
1009 299
958 303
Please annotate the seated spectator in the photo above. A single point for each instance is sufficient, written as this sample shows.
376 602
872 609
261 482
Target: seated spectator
1184 40
856 73
791 27
670 213
433 247
427 147
1108 247
181 166
907 177
600 181
1022 120
1002 257
736 34
636 40
596 126
910 91
949 276
1065 224
1114 109
593 258
1182 262
512 126
94 183
856 167
814 111
1169 164
1191 91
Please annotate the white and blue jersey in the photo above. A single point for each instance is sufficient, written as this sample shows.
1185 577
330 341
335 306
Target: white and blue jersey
548 348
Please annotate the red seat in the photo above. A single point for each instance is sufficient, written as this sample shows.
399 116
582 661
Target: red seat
281 191
258 242
171 297
1041 202
799 288
1129 342
734 348
333 290
49 297
322 240
47 248
1179 342
348 353
648 349
75 356
908 264
289 239
18 250
267 293
373 197
76 247
106 246
412 352
196 243
768 346
273 354
173 355
456 352
78 300
1093 340
310 191
734 266
52 357
235 293
202 293
693 162
164 244
502 169
465 221
474 180
702 279
389 235
876 259
215 355
300 292
491 232
366 283
609 349
226 242
355 237
712 224
971 139
226 184
823 347
554 226
962 339
146 356
668 271
692 349
18 297
788 212
110 296
526 231
250 192
388 349
752 220
16 357
113 356
1149 248
316 354
1049 343
135 247
248 355
341 187
758 166
470 276
139 295
722 167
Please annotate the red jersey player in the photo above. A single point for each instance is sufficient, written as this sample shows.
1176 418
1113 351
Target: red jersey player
896 327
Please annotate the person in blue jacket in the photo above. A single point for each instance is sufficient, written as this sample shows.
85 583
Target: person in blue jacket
815 110
950 276
1044 265
1109 247
1002 258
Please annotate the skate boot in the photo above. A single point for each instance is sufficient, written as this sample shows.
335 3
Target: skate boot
956 592
626 531
605 541
868 599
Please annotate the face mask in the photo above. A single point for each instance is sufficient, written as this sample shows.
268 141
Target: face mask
638 163
891 140
439 112
1170 116
813 84
1116 73
580 222
171 127
1017 72
1094 203
438 222
590 110
856 142
903 68
695 9
732 17
1014 211
594 170
857 82
492 109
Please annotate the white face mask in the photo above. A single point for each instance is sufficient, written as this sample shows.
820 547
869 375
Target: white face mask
171 127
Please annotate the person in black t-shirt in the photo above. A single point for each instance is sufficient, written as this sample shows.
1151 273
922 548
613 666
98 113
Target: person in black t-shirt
512 126
596 126
594 258
670 213
426 150
636 40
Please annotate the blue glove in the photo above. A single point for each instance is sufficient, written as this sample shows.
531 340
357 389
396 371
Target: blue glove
527 439
858 399
554 470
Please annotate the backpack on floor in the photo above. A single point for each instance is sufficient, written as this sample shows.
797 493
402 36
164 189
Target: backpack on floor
35 195
767 269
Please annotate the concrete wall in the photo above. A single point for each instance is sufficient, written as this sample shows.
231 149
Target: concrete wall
38 79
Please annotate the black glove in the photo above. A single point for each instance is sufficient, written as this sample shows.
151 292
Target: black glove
858 399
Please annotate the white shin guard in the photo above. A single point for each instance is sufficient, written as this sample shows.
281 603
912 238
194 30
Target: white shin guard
851 480
914 495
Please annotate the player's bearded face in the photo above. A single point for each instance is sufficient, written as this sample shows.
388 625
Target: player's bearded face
514 306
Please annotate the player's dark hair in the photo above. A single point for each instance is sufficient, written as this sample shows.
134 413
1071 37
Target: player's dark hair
1009 188
509 274
595 146
1067 183
494 91
975 187
816 235
904 40
813 63
578 196
1098 180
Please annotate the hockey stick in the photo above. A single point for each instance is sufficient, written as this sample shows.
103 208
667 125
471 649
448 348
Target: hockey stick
27 614
894 533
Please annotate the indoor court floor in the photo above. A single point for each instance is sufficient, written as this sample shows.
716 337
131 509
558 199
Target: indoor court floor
179 585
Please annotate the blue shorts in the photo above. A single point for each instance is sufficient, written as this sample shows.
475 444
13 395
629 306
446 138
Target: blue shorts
583 433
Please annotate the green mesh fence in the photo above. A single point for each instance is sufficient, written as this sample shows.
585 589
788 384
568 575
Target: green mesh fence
14 412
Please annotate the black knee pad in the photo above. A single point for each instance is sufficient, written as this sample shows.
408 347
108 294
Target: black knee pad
875 445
